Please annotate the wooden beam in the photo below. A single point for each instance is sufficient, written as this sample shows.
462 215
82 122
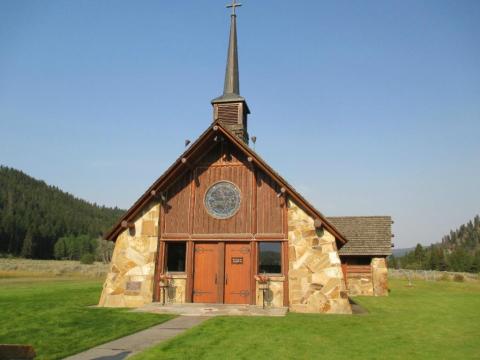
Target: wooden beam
158 259
295 196
285 268
189 270
221 272
173 172
187 163
253 273
17 352
317 223
128 225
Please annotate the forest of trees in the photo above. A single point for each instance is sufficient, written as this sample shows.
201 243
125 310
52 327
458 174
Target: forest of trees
458 251
34 216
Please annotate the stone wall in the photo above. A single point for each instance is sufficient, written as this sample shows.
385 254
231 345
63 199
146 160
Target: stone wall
380 276
316 283
130 279
177 290
359 284
274 294
371 283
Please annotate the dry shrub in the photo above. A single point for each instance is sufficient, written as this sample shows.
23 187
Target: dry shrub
458 278
445 277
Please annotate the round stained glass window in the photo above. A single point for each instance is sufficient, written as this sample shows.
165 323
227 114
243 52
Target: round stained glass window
222 200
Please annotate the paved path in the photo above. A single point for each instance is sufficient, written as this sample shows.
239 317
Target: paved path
212 310
124 347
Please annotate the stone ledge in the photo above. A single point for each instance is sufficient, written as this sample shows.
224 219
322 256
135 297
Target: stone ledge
177 275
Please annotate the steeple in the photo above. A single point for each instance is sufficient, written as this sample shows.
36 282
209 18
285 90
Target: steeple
231 109
232 83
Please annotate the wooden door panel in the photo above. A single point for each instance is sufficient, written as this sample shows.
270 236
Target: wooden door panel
205 273
237 273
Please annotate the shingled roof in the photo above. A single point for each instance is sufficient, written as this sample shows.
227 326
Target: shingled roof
366 235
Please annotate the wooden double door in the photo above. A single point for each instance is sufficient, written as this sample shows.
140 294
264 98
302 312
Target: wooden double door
222 273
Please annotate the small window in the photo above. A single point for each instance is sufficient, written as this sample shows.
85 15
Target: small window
270 258
176 253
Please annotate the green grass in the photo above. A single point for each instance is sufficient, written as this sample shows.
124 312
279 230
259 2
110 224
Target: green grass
52 315
429 321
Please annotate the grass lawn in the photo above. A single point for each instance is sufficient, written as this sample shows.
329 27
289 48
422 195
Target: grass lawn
429 321
52 315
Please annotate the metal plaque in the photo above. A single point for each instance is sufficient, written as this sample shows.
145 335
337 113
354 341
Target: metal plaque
222 200
237 260
133 286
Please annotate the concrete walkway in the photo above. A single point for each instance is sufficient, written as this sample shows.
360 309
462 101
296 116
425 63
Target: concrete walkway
211 310
127 346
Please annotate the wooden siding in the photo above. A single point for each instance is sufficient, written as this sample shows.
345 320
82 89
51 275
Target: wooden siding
261 214
240 223
176 209
269 207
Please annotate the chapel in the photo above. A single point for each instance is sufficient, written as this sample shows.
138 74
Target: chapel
220 226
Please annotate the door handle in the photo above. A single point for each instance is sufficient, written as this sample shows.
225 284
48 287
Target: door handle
226 279
215 279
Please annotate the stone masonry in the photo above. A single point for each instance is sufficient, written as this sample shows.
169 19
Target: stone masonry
380 276
130 280
274 293
374 283
316 283
360 284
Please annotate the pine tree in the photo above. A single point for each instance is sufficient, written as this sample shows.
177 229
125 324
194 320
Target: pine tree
60 251
420 257
392 262
27 247
30 205
476 262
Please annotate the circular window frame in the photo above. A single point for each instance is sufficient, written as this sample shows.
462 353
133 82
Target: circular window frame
239 200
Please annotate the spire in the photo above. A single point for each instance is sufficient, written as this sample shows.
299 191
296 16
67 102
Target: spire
231 109
232 83
231 88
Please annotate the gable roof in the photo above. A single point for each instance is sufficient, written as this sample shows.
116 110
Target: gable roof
367 235
184 163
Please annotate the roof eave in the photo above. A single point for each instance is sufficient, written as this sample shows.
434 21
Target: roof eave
133 211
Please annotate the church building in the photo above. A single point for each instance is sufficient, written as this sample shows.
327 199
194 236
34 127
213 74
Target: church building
221 226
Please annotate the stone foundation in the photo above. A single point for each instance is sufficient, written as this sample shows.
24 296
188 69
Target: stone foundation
359 284
371 283
130 280
380 276
274 294
316 283
176 292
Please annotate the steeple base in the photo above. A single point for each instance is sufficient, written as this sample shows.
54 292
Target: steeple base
233 116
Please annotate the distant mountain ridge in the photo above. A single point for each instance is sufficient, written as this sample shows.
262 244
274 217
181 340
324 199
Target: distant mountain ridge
33 215
401 252
458 251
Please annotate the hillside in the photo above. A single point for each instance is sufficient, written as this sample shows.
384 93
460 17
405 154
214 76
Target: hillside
33 215
401 252
458 251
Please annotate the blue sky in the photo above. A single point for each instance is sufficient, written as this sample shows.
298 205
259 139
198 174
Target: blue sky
366 107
